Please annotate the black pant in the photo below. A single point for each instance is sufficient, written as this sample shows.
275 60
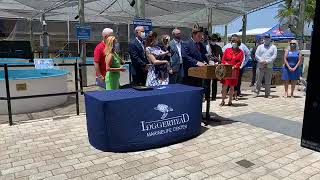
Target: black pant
206 86
214 89
140 78
197 82
254 72
238 87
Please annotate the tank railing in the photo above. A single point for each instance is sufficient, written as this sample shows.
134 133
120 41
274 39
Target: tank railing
85 64
77 79
8 98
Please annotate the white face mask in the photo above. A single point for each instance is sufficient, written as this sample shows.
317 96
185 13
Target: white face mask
213 43
143 35
234 45
267 42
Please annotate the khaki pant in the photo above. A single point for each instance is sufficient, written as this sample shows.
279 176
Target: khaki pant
266 74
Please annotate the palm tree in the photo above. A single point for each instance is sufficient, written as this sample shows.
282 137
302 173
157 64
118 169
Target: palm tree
288 13
309 11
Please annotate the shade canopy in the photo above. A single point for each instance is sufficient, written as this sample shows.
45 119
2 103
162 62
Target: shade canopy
252 32
183 13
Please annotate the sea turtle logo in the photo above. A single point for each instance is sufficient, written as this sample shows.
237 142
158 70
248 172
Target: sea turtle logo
165 109
220 72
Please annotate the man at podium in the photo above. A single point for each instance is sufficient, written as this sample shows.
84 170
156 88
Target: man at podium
194 55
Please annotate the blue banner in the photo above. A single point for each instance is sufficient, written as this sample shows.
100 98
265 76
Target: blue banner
83 32
146 23
130 120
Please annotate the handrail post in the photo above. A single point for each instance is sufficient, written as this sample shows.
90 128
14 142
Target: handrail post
76 86
130 74
6 76
80 78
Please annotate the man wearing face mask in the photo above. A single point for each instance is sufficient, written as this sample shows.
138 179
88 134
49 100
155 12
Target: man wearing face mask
216 52
176 57
193 55
266 54
138 58
99 58
246 58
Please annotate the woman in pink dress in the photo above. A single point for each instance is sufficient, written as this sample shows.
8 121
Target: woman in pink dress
233 56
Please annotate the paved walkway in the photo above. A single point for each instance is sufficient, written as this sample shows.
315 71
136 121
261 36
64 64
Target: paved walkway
287 108
59 149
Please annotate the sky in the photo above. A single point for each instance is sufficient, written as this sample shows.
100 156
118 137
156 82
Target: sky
264 18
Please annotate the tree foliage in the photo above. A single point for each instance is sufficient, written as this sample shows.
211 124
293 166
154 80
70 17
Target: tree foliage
288 13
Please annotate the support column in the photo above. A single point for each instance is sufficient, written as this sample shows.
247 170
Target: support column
141 6
45 47
210 21
129 32
31 35
244 29
68 29
225 34
82 44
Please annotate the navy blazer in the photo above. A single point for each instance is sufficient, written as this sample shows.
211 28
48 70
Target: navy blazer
191 54
137 54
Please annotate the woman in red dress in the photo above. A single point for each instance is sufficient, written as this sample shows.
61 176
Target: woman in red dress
233 56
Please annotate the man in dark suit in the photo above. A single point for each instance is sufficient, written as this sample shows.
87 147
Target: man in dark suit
193 55
217 54
138 58
254 61
176 57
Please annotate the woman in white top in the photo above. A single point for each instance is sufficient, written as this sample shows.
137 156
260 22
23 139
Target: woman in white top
158 71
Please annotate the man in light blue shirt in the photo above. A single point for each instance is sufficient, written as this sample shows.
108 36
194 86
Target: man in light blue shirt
246 58
176 57
266 54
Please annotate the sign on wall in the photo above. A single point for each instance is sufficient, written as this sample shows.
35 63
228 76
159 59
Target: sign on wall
83 32
21 87
146 23
43 63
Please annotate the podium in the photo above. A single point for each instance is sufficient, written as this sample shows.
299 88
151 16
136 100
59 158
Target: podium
219 71
209 72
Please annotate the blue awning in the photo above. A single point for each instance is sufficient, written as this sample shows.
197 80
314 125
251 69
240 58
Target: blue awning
277 34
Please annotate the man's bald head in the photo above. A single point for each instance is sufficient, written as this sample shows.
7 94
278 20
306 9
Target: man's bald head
107 32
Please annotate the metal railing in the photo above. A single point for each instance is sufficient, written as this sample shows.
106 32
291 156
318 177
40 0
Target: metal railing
77 81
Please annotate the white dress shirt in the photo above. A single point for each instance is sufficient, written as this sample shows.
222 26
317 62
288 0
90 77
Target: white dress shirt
208 48
266 53
140 42
178 45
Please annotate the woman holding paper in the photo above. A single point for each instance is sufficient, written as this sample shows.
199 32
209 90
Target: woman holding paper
113 64
232 56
